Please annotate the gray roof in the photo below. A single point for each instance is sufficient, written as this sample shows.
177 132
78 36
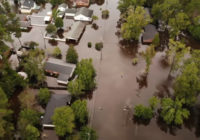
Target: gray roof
64 5
149 33
71 10
84 11
76 31
56 100
28 3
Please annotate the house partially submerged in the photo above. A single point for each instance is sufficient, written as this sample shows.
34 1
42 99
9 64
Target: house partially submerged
149 34
56 100
27 6
82 2
70 12
24 21
83 14
75 33
62 70
62 9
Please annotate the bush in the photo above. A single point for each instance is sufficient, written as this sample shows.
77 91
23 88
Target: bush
89 44
51 28
72 55
105 14
59 22
57 52
143 112
95 17
134 61
95 26
156 40
44 96
99 46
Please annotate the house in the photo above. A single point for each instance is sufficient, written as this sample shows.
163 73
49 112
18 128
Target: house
75 32
70 12
61 10
27 6
82 2
24 21
83 14
149 34
56 100
62 70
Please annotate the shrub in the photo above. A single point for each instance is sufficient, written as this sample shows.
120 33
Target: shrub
156 40
59 22
57 52
72 55
143 112
95 26
134 61
89 44
99 46
51 28
105 14
95 17
44 96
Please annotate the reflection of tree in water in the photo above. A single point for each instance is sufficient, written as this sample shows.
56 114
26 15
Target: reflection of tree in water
98 2
129 48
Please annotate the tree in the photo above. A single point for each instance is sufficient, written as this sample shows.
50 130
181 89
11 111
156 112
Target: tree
87 133
56 2
44 96
176 53
51 29
153 102
76 87
148 55
72 55
6 126
179 23
59 22
57 52
27 99
63 119
30 115
187 84
86 74
143 112
80 111
136 20
31 133
123 5
195 31
172 111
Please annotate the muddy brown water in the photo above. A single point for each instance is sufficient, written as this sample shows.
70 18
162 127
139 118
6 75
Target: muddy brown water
112 103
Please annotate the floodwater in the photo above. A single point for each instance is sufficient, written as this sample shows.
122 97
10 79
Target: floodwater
111 106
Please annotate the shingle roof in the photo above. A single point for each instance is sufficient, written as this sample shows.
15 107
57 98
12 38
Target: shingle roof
28 3
71 10
56 100
149 32
84 11
76 31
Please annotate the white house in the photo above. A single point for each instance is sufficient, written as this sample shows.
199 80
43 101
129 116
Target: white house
83 14
27 6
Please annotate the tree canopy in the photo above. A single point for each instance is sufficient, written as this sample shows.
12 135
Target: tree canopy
72 55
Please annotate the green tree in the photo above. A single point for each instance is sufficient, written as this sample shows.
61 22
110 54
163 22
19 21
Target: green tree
179 23
153 102
31 133
44 96
59 22
148 55
56 2
76 87
135 22
187 84
143 112
30 115
195 31
63 119
51 29
80 111
72 55
86 74
123 5
87 133
57 52
172 111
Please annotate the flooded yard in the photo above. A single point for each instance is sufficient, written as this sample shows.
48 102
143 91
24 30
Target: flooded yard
117 87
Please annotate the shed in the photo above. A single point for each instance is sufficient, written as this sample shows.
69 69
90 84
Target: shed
149 34
61 69
76 31
84 14
56 100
